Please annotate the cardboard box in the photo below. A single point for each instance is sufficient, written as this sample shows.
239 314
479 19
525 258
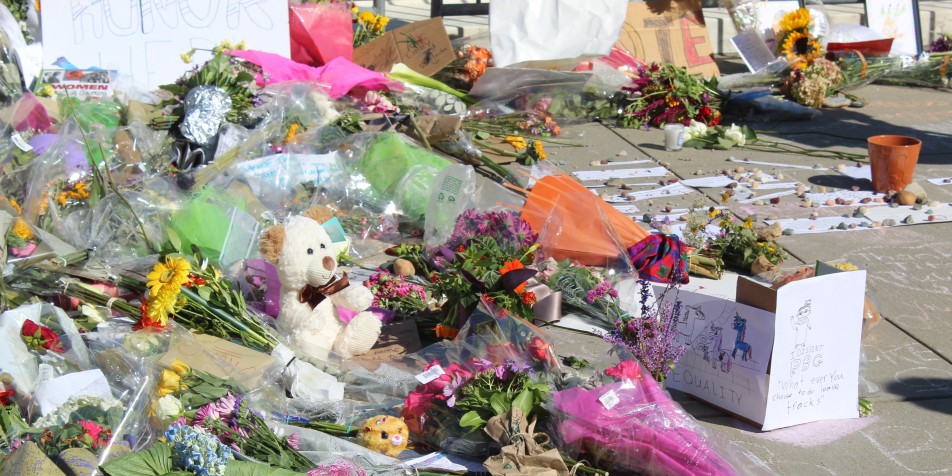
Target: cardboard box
423 46
775 358
669 32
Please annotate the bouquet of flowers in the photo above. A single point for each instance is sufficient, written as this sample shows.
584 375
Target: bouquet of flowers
395 293
811 84
668 94
796 43
738 244
650 336
625 423
182 389
586 290
470 64
369 26
83 422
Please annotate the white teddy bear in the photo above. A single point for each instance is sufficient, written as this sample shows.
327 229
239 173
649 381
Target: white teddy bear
311 293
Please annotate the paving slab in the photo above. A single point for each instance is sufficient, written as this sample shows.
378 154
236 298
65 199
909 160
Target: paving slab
899 438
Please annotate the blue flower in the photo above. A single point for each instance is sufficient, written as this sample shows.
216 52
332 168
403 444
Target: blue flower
195 450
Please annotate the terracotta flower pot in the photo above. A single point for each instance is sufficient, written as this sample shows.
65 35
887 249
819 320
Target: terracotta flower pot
892 160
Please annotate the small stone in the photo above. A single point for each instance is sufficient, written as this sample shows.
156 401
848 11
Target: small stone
889 222
909 220
650 203
852 226
761 265
759 203
625 186
930 212
855 188
608 196
698 172
814 215
595 162
933 218
857 104
917 207
622 153
615 182
758 175
893 205
754 184
905 197
740 170
836 102
865 200
878 200
830 202
664 164
683 217
806 204
842 226
787 231
729 192
934 204
732 185
403 267
775 200
821 189
849 201
918 191
840 167
840 201
668 209
780 177
813 228
666 229
875 224
858 213
738 177
773 217
646 218
801 189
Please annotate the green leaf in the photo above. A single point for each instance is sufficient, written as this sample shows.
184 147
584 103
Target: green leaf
247 468
723 144
500 403
155 461
749 133
205 292
523 401
472 420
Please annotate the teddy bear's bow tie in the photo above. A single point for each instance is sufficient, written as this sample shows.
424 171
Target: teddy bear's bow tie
313 295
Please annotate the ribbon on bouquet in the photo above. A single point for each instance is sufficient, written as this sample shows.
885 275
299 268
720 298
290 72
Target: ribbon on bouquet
548 306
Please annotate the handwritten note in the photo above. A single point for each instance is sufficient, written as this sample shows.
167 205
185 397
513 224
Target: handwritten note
395 341
671 190
586 175
145 38
814 374
422 45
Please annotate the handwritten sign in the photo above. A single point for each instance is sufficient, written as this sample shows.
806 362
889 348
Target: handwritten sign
423 46
145 38
396 340
728 350
666 32
245 365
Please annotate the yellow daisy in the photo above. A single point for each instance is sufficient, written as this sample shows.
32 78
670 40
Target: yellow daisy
168 277
161 307
22 230
540 150
517 142
366 18
801 47
795 20
380 23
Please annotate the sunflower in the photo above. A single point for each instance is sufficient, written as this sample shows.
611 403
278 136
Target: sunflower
167 278
516 142
801 47
366 18
795 20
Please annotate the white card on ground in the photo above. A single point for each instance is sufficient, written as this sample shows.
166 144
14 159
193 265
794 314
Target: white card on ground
942 213
627 162
627 209
941 181
852 171
803 226
767 197
776 185
669 190
579 323
724 180
586 175
774 164
855 196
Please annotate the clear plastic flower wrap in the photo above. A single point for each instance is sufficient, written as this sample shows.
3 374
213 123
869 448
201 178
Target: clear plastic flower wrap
497 362
622 421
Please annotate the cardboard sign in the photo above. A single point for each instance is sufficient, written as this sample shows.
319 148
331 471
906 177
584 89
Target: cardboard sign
245 365
146 38
395 341
779 357
672 33
422 45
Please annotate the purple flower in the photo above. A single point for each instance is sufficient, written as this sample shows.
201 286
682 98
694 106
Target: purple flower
480 364
294 441
450 389
205 415
503 372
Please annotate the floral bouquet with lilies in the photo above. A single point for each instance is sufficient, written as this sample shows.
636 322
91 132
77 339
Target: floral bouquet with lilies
182 389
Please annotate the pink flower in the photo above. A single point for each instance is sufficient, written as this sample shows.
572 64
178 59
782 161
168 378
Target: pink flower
436 386
625 370
294 441
93 430
205 415
415 407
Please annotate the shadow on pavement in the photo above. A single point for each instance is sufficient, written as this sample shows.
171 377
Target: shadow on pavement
912 388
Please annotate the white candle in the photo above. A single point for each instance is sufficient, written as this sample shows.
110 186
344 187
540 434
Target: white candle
673 136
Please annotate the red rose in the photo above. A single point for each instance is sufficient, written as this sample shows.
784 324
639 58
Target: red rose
414 411
539 349
40 337
625 370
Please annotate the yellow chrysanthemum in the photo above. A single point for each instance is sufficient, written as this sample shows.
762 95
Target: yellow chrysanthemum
22 230
802 48
167 278
366 18
380 23
795 20
16 206
160 307
517 142
540 150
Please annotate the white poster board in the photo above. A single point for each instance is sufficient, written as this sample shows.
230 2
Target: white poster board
897 19
146 38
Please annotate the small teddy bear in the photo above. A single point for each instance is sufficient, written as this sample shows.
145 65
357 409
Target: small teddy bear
384 434
311 293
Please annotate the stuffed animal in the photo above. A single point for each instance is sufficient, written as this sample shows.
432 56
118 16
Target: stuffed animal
384 434
312 295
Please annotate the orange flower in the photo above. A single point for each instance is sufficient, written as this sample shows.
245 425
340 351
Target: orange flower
510 266
528 298
446 332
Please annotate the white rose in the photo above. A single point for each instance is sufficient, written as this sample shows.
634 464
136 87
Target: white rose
695 130
168 408
735 135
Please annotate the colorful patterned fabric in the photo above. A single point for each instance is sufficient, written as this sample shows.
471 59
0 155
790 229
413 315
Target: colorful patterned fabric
660 259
